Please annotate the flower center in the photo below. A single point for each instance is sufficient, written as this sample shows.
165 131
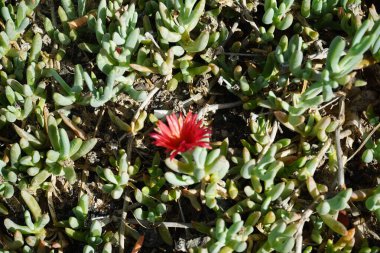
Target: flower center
184 146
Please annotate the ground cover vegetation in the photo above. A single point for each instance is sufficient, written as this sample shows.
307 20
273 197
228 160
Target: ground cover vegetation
189 126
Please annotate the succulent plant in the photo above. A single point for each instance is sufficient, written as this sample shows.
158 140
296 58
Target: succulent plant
155 211
266 168
373 202
6 191
317 229
314 126
34 228
280 238
60 159
155 181
119 41
66 12
16 21
317 7
335 73
372 151
68 5
259 134
18 102
344 244
366 249
280 15
177 28
15 243
21 160
228 239
92 236
76 227
79 219
116 183
132 128
74 92
197 166
339 66
265 194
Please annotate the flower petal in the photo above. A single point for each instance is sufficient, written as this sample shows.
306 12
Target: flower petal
181 134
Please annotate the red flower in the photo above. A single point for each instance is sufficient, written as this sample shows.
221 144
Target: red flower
181 134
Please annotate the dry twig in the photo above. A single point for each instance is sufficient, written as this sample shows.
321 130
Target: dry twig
99 120
78 132
213 108
53 215
364 142
129 152
304 218
340 174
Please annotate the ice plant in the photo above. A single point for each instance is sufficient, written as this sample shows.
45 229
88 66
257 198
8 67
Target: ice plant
181 134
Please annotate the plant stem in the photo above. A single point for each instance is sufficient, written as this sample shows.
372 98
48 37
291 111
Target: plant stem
364 142
129 153
340 173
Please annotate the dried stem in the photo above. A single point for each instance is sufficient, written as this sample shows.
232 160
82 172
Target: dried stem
145 103
329 103
167 224
49 196
78 132
304 218
122 225
364 142
246 15
105 220
340 173
339 153
53 215
244 54
233 30
214 107
137 114
99 121
129 153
